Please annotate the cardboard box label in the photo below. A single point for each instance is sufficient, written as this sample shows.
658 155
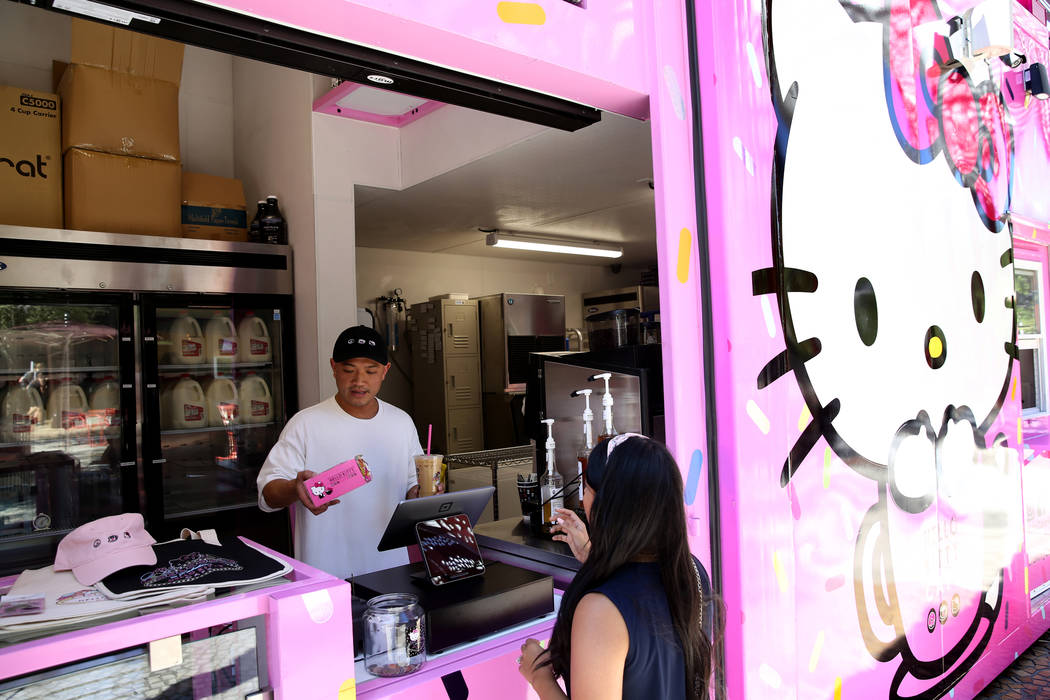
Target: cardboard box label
214 216
30 158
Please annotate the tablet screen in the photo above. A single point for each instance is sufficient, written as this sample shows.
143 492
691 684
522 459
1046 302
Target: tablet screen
449 549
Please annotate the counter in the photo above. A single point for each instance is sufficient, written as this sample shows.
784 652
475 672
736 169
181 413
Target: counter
512 542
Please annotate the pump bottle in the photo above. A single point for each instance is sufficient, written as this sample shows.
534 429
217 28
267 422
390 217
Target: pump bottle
551 488
607 408
588 439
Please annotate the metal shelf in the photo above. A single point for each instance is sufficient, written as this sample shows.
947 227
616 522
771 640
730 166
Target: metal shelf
216 429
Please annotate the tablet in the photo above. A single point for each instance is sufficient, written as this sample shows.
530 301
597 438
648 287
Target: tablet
400 531
449 549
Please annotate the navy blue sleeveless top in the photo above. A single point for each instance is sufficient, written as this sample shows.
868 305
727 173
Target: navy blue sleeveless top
654 667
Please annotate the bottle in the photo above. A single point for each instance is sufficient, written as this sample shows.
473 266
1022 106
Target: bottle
551 490
67 405
220 393
220 338
588 439
188 409
254 228
256 402
185 341
272 226
253 339
607 406
21 409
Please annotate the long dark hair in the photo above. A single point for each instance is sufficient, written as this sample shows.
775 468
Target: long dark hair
639 512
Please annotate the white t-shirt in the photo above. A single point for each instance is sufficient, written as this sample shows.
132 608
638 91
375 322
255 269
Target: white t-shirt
342 540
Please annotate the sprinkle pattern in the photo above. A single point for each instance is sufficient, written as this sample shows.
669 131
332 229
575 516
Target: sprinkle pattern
814 656
756 415
778 568
685 253
521 13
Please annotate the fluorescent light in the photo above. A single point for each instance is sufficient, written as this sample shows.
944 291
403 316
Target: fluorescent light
500 239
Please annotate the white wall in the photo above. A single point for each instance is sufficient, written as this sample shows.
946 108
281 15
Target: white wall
423 275
273 154
206 113
30 38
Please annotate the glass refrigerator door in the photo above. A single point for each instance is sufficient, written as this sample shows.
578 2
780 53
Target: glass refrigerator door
216 402
67 367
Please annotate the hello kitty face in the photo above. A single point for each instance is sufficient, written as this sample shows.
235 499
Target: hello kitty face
893 273
318 490
896 294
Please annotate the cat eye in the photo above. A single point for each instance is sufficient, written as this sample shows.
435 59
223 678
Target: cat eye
977 296
865 311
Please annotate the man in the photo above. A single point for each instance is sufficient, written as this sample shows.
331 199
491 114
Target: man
341 536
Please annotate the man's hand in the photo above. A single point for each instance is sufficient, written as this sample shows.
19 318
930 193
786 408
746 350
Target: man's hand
414 491
300 490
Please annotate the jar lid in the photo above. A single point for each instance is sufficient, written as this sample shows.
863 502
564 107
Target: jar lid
393 602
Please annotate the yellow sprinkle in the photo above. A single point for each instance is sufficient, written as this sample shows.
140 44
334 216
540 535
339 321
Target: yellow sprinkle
936 347
521 13
838 688
1035 233
1020 435
814 655
803 419
685 252
782 580
1026 591
348 690
827 467
757 416
1013 390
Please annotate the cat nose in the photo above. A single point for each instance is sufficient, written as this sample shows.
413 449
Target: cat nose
936 347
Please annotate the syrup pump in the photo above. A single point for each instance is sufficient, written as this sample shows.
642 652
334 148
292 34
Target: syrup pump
607 406
588 438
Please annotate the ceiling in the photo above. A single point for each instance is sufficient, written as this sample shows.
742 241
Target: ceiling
591 184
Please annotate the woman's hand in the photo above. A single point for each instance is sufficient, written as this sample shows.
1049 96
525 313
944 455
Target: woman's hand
541 679
571 530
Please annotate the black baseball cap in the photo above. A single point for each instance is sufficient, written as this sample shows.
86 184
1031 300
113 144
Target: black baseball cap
359 341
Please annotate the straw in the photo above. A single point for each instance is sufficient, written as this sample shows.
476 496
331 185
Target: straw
430 430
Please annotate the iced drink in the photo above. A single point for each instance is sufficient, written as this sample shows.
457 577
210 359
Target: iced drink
428 472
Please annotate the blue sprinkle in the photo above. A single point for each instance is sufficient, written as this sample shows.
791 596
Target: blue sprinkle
692 481
951 693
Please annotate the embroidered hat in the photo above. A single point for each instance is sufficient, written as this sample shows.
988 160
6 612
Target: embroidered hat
359 341
98 548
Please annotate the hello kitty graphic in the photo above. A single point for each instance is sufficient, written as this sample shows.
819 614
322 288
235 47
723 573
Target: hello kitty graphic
319 490
892 271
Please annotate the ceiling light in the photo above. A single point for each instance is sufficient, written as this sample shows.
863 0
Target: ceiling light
502 239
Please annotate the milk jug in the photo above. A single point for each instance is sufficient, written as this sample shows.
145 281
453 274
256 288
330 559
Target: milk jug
187 407
105 395
256 402
67 405
187 341
220 340
253 339
21 408
221 394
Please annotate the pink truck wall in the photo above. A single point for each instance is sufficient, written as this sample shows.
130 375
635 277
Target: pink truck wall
870 445
871 501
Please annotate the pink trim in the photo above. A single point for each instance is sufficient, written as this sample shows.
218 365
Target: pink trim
301 652
329 104
590 56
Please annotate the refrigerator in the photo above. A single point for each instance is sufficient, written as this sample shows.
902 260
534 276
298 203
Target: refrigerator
139 374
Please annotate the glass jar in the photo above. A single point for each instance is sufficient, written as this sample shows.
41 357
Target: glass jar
395 643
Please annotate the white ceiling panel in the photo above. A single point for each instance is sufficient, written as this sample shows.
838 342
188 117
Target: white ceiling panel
591 184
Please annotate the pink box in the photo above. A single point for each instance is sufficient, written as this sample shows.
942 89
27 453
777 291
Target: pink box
333 483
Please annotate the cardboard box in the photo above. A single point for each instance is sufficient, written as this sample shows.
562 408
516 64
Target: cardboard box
122 51
213 208
30 158
119 113
121 194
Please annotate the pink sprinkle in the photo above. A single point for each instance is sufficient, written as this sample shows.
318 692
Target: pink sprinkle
796 507
834 582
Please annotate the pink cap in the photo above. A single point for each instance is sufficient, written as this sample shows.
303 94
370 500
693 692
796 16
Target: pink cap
97 549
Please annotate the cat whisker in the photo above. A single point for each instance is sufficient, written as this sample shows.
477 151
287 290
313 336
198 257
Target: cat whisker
767 281
782 363
807 440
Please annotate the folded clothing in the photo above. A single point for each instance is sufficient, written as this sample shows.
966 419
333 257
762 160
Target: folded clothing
67 601
189 563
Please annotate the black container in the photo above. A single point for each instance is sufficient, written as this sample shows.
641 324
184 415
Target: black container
254 228
272 226
613 329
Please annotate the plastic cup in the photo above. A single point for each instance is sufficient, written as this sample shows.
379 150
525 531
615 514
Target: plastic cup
428 472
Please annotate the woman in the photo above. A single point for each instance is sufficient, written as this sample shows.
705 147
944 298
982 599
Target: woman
630 624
